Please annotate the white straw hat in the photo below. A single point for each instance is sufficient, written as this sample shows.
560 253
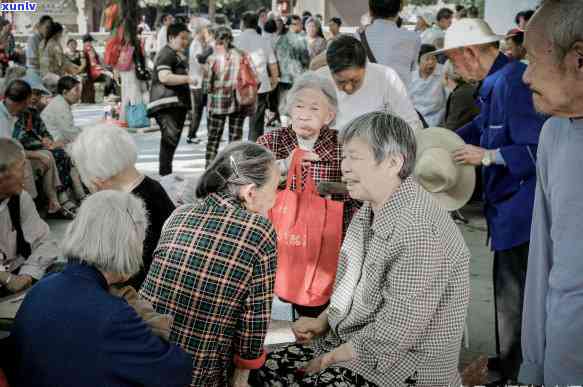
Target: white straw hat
468 32
451 184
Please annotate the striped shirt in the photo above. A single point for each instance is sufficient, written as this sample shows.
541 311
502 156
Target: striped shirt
394 47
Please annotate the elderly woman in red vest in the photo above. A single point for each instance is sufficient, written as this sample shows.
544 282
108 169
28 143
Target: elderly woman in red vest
312 105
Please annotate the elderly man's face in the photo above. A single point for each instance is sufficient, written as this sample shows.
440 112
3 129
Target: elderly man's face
296 26
12 180
349 80
15 108
362 173
466 63
310 112
556 87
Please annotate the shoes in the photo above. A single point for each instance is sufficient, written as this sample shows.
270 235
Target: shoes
193 140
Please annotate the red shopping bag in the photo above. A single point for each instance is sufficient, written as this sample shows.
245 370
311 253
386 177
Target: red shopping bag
309 235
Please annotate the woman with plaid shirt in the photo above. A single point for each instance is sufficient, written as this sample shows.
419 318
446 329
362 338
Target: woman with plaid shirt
214 268
312 105
220 85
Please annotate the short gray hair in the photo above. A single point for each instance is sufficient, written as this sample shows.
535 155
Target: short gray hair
103 151
10 152
387 135
239 164
311 80
563 24
108 233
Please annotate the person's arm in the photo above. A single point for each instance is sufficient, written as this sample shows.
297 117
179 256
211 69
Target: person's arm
132 353
52 122
36 232
397 98
164 68
256 312
540 254
272 66
414 289
523 125
470 132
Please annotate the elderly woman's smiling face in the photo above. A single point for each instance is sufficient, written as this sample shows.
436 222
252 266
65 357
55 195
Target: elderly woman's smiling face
310 111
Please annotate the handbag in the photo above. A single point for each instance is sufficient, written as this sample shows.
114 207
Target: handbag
247 86
309 236
113 48
136 116
126 58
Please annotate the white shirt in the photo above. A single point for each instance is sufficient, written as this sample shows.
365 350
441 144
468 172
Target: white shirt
394 47
162 37
381 90
7 122
195 68
429 96
261 53
36 232
58 118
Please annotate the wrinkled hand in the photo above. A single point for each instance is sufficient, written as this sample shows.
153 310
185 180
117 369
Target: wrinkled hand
307 329
469 154
339 355
18 283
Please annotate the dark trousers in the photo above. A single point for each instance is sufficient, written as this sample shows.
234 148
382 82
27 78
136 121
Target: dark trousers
198 103
509 281
171 122
257 121
216 126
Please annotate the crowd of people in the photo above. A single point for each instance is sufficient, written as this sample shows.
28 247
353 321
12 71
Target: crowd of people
397 129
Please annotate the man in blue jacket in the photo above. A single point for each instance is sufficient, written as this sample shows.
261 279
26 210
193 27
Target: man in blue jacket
504 140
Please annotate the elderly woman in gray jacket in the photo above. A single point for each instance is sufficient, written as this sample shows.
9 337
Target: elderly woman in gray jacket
397 313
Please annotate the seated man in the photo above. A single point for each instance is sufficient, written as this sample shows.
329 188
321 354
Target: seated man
58 115
397 313
94 68
25 250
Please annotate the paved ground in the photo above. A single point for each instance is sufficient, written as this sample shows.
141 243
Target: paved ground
189 162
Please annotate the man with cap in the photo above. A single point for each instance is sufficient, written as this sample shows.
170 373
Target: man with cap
95 71
503 139
553 300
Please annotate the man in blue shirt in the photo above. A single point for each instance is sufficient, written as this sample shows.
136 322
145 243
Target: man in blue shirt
553 302
504 140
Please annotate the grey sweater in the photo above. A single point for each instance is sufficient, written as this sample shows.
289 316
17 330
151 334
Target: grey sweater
553 306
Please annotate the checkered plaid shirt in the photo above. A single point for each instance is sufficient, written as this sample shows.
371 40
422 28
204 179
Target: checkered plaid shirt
406 314
220 82
214 272
281 142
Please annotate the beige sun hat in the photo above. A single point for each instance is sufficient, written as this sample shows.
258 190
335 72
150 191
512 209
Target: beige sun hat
451 184
468 32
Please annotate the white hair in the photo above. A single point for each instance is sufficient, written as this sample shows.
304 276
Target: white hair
311 80
108 233
102 152
563 23
387 135
10 152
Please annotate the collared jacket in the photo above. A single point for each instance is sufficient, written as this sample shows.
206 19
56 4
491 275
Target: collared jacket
70 332
282 142
401 292
214 272
507 122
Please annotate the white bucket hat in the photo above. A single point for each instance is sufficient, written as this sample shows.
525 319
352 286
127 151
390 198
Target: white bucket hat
451 184
468 32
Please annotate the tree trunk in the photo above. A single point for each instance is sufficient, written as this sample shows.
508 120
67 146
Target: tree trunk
212 10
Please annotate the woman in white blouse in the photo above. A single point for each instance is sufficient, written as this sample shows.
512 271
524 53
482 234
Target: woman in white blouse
427 90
